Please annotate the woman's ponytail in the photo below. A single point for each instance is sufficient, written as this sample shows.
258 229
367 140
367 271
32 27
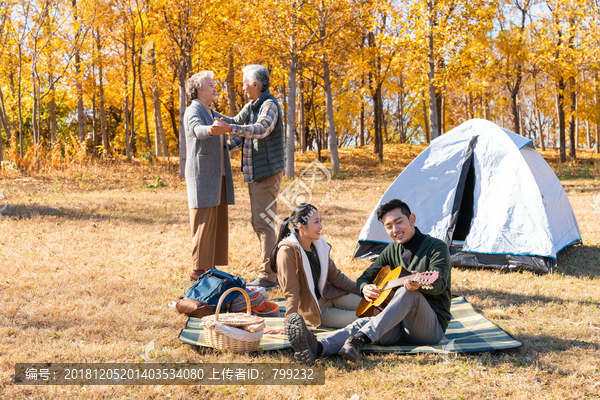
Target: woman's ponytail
301 214
284 231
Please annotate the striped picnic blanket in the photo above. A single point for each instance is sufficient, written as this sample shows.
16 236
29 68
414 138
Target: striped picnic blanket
468 332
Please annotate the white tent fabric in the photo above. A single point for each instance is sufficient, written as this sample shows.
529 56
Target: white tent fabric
520 205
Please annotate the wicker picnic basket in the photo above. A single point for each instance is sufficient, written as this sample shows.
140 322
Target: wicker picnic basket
236 332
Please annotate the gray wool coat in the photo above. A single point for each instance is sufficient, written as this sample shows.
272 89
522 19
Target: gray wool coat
203 165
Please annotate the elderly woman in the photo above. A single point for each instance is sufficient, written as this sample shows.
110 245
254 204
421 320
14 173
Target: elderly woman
208 177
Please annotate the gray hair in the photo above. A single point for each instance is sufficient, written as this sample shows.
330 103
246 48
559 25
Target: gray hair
257 73
196 81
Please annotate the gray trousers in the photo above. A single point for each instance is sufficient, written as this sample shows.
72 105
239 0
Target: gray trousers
340 311
408 318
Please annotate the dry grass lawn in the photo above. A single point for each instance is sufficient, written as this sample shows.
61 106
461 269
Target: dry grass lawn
91 258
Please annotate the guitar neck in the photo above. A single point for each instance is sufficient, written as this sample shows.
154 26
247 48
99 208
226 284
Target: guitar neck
398 282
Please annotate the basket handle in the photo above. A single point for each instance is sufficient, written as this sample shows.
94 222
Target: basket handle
223 298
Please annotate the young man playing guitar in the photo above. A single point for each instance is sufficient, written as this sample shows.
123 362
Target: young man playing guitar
414 315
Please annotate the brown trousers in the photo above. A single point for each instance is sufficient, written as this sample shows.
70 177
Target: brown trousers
263 196
210 234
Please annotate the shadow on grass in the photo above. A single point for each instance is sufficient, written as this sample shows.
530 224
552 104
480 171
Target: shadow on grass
532 353
23 211
499 298
579 261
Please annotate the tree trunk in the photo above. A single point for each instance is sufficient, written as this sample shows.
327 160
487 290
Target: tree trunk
182 108
438 106
380 138
468 107
514 102
290 144
384 123
577 128
362 116
588 138
1 143
126 110
433 116
78 85
132 145
362 124
443 114
573 140
317 134
333 144
425 118
126 104
401 112
521 122
34 109
538 116
52 117
5 121
3 125
143 93
597 147
105 145
94 119
486 109
597 103
19 100
172 117
159 128
324 131
285 104
231 85
376 122
560 107
540 129
301 117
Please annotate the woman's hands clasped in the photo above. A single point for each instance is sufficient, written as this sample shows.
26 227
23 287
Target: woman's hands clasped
219 127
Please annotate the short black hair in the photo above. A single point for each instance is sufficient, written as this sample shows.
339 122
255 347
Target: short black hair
392 205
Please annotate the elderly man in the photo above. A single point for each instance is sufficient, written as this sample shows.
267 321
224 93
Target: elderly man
263 158
208 177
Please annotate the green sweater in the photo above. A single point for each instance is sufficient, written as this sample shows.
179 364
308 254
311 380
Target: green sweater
432 255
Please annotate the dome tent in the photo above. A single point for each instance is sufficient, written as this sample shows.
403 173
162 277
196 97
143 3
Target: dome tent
489 195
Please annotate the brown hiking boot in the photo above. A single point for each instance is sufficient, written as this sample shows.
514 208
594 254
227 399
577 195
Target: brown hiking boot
195 274
352 347
303 341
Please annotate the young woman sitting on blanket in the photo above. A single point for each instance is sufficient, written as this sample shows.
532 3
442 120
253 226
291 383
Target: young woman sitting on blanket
311 283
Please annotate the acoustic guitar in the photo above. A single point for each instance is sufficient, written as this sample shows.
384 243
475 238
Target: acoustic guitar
387 280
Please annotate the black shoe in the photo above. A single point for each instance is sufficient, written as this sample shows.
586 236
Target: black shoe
303 341
264 283
352 347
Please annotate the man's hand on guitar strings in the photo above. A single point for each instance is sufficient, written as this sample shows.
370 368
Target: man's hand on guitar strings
411 286
371 292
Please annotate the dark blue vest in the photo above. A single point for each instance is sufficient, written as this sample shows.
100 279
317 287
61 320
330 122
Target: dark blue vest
268 154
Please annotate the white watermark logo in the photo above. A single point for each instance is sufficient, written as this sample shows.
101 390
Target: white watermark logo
3 202
149 352
299 191
596 204
448 351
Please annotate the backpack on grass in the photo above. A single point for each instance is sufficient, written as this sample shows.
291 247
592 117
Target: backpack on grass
212 284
